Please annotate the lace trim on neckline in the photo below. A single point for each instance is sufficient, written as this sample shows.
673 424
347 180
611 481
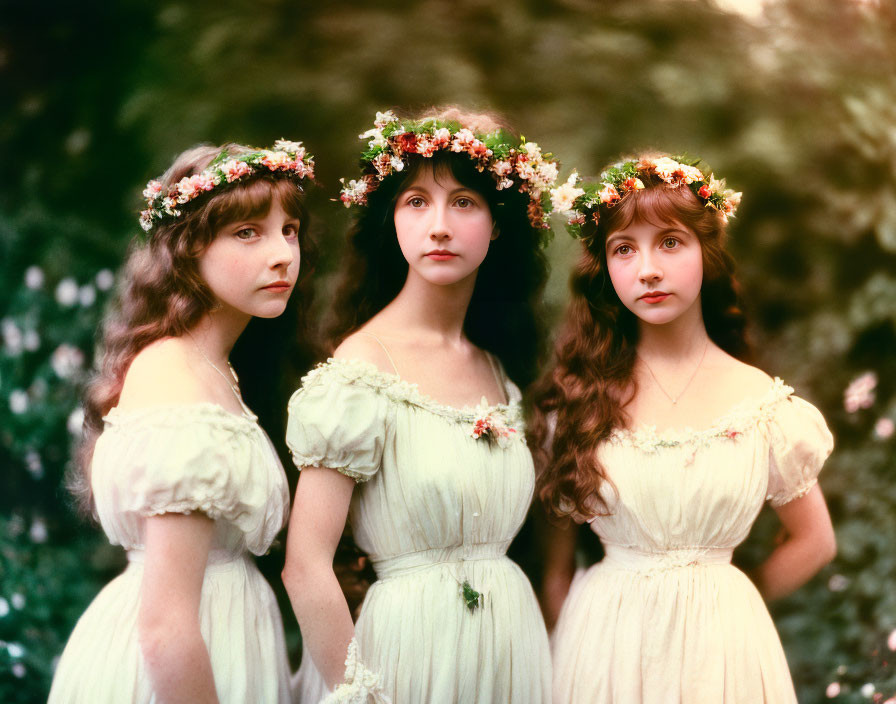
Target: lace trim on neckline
732 424
170 413
399 390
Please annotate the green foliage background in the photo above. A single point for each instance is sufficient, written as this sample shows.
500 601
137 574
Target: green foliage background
797 108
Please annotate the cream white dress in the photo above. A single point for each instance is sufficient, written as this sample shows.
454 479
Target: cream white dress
178 459
665 617
435 508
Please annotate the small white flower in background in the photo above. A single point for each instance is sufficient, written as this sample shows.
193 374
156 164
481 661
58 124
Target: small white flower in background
86 295
18 601
31 340
867 690
833 690
75 422
838 583
841 670
66 360
891 640
105 279
884 428
18 401
38 531
4 607
34 464
860 392
18 669
34 277
67 292
13 339
15 650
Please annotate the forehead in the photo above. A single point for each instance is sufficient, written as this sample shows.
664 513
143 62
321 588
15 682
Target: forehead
643 229
434 178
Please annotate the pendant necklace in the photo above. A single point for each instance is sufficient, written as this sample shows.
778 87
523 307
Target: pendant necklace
674 399
234 385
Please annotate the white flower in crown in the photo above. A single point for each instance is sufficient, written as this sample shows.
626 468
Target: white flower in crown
463 139
396 163
277 160
234 169
532 150
353 192
284 145
564 196
689 174
375 138
526 170
441 137
502 167
504 183
490 426
545 175
384 118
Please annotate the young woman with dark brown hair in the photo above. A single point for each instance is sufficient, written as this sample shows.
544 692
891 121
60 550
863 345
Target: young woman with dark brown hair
656 433
413 429
174 465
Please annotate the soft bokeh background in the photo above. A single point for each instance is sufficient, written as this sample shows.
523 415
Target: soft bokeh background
795 105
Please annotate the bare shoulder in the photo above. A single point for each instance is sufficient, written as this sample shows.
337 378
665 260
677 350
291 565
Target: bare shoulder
738 379
163 372
367 347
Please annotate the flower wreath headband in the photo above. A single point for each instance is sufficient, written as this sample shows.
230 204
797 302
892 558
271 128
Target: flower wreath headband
581 204
285 157
511 163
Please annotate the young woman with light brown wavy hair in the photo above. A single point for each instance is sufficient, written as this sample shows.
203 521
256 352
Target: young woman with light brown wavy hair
654 430
174 464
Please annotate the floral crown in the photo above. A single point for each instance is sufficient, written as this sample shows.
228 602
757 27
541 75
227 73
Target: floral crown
579 204
511 163
287 157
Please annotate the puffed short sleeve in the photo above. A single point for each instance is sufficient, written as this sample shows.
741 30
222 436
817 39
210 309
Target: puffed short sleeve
799 443
181 459
338 420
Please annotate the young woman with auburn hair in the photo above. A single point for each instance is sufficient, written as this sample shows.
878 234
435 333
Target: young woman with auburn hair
174 464
656 432
413 430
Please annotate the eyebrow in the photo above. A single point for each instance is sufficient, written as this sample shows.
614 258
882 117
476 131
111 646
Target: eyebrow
621 234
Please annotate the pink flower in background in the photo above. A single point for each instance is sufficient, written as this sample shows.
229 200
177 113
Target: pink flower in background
884 428
832 690
891 640
860 392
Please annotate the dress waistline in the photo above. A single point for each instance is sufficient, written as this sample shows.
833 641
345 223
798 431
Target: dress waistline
399 565
628 558
218 560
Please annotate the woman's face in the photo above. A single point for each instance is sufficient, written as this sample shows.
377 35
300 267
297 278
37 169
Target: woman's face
252 265
657 271
444 228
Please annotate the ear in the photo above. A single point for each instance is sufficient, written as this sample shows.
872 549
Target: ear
495 231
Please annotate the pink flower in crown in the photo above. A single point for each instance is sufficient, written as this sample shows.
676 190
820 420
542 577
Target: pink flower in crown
441 137
704 191
526 169
277 161
462 140
354 192
425 146
502 167
406 142
169 203
153 188
609 194
688 174
234 169
146 220
383 164
206 181
187 188
479 150
632 184
504 183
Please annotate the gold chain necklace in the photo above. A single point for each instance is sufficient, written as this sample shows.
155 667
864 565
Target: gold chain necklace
674 400
233 386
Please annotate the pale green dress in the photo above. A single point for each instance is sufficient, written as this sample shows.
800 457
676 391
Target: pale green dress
434 508
665 617
179 459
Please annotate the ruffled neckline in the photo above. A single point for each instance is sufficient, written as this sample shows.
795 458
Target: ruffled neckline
733 423
400 390
175 413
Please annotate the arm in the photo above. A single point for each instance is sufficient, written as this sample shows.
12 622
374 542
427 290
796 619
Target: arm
175 654
318 518
558 549
808 546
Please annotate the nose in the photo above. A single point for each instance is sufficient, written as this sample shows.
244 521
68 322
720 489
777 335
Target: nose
649 269
281 253
439 229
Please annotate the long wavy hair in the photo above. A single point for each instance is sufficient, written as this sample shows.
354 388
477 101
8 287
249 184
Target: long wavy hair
581 397
163 295
503 315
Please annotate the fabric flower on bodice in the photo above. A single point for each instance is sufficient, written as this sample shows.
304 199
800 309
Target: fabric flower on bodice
490 426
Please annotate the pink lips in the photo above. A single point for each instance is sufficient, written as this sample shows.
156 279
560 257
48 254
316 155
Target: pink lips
440 255
654 296
278 287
